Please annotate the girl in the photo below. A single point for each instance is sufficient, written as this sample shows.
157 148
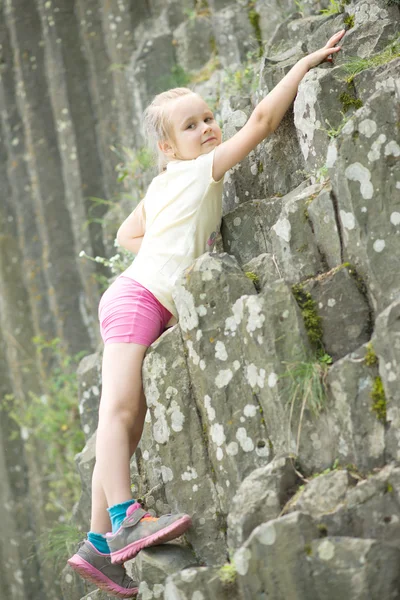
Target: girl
173 225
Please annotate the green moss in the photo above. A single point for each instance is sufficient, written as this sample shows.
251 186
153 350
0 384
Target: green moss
349 21
253 276
349 101
308 549
227 574
312 320
355 64
379 399
260 167
389 488
254 19
323 530
370 357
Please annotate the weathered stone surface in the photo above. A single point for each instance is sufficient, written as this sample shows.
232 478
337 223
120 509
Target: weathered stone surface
344 311
274 560
292 240
360 435
364 167
260 498
88 374
245 230
203 583
234 34
369 81
386 343
85 461
72 585
322 216
153 565
353 568
193 39
173 448
265 268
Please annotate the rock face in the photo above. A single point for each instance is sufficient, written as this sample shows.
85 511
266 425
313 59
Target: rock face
274 406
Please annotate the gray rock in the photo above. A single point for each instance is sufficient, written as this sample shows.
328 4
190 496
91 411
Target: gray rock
344 311
245 230
322 216
364 168
88 374
274 560
359 434
205 583
264 268
234 35
386 343
292 240
353 568
174 459
153 565
260 498
193 39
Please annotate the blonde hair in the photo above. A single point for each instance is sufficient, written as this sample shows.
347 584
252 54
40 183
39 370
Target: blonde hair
157 123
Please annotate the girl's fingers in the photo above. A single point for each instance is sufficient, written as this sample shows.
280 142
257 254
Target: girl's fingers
335 38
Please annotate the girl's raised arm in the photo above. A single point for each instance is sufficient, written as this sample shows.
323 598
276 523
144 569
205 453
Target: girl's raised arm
270 111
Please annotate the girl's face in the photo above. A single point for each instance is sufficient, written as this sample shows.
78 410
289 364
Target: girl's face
194 130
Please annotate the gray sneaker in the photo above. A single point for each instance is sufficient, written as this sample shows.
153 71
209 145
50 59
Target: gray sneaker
98 569
140 530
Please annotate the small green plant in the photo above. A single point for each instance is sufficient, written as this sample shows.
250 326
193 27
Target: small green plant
334 7
133 165
379 399
253 276
348 101
355 64
306 388
245 78
333 132
52 419
178 77
312 321
370 357
227 574
58 543
117 263
349 21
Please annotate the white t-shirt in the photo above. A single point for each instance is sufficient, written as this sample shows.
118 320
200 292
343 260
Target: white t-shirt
183 210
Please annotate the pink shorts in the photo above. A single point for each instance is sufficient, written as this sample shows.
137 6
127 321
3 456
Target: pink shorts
130 314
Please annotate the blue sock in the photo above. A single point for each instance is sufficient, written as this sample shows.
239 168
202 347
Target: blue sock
99 542
118 513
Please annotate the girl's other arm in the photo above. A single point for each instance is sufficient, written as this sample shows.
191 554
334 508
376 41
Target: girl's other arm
130 234
270 111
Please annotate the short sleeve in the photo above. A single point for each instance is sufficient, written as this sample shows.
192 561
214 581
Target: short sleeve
205 167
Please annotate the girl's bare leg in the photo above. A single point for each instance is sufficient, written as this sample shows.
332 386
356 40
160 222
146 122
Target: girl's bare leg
121 418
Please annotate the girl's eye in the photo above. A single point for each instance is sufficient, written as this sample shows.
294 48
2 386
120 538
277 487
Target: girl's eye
189 126
209 119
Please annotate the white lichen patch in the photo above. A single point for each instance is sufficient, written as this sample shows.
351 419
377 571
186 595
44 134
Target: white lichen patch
220 351
177 417
331 302
201 310
304 110
219 453
250 410
348 219
189 474
232 322
375 152
223 378
217 434
245 442
256 317
267 534
254 376
331 155
199 334
236 365
192 353
232 449
357 172
392 149
379 245
395 218
166 474
188 317
283 229
188 575
241 560
367 127
209 408
326 550
272 379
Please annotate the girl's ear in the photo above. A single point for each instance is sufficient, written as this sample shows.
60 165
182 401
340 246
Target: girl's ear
165 147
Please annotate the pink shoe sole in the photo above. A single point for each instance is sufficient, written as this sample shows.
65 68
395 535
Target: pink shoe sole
88 572
164 535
